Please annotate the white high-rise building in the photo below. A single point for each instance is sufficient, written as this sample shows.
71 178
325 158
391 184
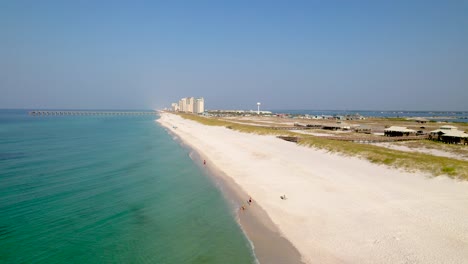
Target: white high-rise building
190 105
183 105
200 105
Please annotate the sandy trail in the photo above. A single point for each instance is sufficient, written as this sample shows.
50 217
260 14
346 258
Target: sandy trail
339 209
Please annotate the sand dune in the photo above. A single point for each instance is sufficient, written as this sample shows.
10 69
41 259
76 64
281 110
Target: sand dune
339 209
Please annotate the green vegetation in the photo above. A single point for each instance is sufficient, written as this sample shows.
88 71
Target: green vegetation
212 121
448 170
394 119
454 149
409 161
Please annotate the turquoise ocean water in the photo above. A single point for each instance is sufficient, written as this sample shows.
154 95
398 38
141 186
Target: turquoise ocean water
107 189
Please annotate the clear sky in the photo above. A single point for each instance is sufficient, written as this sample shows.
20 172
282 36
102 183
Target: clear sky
365 55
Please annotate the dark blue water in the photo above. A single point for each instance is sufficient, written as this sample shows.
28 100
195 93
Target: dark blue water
107 189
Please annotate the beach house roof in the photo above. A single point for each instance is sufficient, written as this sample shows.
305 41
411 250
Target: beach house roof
421 120
455 133
399 129
447 127
437 131
451 133
336 126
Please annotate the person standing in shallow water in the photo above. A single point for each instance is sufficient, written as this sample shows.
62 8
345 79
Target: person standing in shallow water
204 162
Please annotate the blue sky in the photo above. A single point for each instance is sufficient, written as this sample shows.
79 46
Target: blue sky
371 55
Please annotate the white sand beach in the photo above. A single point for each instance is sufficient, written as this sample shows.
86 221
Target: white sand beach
338 209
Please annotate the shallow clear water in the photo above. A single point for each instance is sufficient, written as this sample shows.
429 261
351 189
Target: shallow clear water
114 189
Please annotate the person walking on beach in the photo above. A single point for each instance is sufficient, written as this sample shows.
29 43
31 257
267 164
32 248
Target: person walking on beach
250 200
204 162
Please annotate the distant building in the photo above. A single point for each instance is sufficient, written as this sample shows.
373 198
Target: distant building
190 105
421 120
397 131
363 129
199 105
449 134
448 127
336 127
183 105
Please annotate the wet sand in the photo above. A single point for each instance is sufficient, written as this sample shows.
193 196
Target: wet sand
269 245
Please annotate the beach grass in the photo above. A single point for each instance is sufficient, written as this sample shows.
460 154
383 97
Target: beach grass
455 149
396 119
409 161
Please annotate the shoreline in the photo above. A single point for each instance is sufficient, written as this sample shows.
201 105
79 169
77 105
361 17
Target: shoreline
267 243
340 209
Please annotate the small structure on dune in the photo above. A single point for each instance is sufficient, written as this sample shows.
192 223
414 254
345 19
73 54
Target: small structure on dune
421 120
336 127
299 125
397 131
449 134
363 129
448 127
356 116
307 125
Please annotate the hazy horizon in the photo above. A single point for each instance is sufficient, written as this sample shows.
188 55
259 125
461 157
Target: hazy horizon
301 55
245 109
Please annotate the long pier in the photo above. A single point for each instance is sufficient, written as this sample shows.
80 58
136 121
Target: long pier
88 113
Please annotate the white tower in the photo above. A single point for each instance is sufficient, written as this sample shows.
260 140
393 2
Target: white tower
258 108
